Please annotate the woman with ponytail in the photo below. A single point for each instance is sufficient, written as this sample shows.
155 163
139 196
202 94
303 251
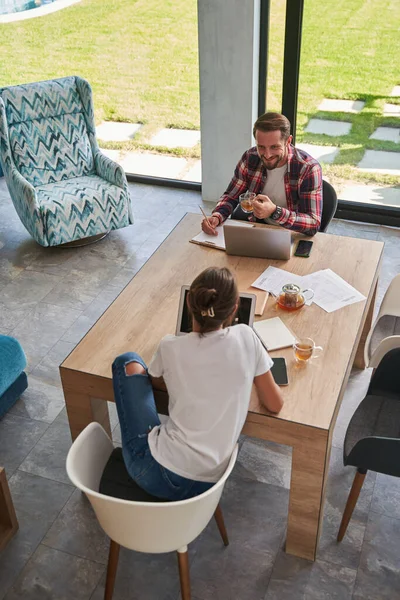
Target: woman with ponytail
208 374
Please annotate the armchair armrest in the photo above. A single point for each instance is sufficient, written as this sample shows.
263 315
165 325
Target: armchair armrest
110 170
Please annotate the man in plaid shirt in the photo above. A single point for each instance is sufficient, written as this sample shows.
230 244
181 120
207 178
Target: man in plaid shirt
287 182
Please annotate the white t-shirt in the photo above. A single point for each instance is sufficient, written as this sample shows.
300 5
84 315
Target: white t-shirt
274 187
209 381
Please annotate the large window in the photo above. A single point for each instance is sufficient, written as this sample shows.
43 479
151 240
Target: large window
141 60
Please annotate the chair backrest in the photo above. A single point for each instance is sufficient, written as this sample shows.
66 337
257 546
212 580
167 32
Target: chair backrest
386 379
390 306
329 204
153 527
48 126
387 344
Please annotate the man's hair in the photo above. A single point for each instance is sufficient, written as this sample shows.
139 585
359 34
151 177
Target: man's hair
272 121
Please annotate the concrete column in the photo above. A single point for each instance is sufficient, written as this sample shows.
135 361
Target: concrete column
228 59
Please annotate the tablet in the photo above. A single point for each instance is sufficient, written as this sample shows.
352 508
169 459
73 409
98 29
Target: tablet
245 312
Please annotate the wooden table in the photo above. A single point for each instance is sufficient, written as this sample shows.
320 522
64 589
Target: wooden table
146 310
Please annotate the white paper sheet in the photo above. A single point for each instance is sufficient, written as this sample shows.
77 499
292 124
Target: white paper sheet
331 292
273 279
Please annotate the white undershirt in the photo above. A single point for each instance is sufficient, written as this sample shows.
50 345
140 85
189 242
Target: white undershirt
209 381
274 187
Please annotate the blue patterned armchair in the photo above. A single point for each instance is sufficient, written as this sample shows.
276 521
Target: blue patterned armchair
63 188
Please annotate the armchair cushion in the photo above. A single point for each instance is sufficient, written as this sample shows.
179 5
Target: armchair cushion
89 203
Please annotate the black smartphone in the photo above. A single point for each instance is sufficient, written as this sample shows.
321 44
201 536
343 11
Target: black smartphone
303 248
279 371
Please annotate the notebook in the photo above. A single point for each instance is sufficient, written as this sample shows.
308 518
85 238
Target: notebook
274 334
216 241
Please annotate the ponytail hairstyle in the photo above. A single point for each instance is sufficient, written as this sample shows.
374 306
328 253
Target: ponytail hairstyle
212 298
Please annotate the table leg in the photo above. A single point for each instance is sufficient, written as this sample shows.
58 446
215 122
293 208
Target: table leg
8 518
82 409
310 462
359 361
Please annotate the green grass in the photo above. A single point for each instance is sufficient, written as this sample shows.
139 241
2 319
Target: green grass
141 59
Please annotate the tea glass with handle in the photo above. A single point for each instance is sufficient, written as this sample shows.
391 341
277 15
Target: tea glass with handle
292 297
246 201
304 350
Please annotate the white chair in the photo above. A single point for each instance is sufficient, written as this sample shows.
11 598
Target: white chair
390 307
153 527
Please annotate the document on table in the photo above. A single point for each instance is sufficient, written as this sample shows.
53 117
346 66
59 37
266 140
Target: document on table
216 241
273 279
331 292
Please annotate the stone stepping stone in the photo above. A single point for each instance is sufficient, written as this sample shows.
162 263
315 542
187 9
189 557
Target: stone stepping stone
153 164
391 110
194 173
390 134
111 131
112 154
175 138
327 127
324 154
371 194
351 106
378 161
395 91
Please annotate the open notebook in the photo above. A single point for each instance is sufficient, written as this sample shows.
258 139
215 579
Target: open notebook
216 241
274 334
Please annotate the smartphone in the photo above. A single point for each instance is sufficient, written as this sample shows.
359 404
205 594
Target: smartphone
279 371
303 248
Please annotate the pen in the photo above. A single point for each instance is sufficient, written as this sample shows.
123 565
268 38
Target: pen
205 216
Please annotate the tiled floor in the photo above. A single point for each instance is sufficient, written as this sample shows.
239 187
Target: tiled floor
49 298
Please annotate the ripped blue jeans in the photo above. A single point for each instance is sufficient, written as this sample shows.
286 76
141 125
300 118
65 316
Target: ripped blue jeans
137 416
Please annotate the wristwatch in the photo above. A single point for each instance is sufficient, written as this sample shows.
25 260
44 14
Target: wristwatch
277 213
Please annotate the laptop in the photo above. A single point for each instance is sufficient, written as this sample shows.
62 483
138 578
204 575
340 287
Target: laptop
245 312
257 242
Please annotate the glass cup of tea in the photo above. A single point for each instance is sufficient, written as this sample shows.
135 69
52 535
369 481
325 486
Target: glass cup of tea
246 201
304 349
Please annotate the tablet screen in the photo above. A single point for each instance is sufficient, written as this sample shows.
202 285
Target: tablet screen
245 312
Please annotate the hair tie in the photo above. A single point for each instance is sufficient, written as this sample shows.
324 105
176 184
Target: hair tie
208 313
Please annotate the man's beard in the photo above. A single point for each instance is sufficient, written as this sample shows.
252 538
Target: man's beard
270 166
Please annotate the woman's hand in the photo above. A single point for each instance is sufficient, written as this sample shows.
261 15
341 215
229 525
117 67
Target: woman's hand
268 392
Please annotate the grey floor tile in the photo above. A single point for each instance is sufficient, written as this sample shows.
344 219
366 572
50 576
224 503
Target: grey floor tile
17 438
100 304
77 531
289 578
330 582
52 574
386 498
37 502
47 459
265 461
378 576
340 478
27 289
42 328
41 401
78 329
55 261
123 277
143 577
48 368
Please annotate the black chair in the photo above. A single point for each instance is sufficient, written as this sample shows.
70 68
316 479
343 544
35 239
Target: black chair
329 205
372 439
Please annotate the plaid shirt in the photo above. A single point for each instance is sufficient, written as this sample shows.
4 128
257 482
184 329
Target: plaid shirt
303 185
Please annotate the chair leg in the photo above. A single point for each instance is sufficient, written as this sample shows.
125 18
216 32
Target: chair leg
184 577
221 525
111 569
351 502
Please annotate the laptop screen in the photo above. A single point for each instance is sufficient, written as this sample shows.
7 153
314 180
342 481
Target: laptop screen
245 313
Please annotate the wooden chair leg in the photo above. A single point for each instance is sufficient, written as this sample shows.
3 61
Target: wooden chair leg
111 569
221 525
351 502
184 577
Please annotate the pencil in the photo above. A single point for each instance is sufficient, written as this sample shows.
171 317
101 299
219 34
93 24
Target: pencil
205 216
